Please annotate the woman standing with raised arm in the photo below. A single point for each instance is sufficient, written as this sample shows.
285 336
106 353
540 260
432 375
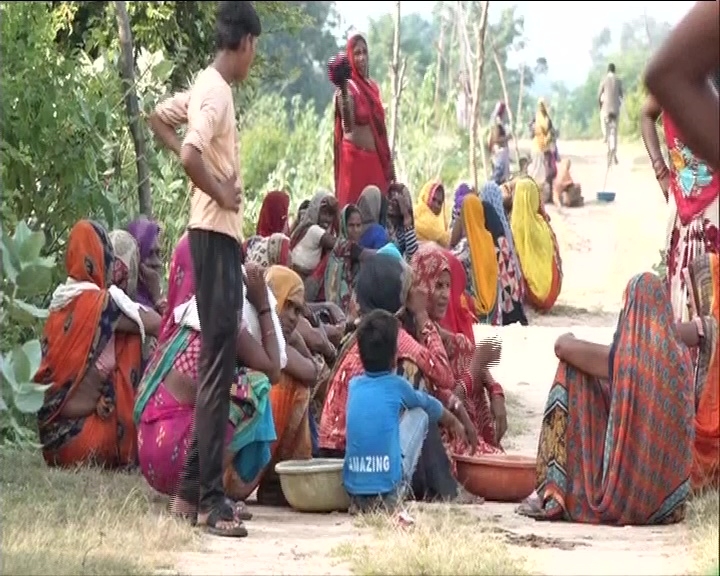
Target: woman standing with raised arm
362 153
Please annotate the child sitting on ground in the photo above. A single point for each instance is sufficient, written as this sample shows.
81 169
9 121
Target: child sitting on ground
387 421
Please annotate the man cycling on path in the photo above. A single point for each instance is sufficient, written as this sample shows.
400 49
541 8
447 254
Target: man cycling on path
610 97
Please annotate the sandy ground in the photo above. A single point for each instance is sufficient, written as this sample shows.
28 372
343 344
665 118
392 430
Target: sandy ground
602 246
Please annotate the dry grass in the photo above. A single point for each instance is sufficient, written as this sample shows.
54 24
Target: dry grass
82 521
704 520
445 540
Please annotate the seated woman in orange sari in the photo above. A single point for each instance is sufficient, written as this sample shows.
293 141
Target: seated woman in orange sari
630 429
442 276
92 357
290 395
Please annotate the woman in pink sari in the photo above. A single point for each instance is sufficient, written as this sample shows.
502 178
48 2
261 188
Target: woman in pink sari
165 403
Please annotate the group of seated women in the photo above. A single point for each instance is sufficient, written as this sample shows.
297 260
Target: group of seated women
628 432
510 256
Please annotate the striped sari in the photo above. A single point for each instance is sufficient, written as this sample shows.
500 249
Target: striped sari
619 452
704 285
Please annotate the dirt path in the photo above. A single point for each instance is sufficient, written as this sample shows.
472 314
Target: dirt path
602 246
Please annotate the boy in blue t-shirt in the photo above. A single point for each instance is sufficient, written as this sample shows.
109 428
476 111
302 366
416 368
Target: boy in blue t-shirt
387 420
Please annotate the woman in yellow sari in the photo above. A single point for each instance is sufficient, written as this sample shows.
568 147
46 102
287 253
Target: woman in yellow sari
290 396
476 251
431 222
536 246
544 152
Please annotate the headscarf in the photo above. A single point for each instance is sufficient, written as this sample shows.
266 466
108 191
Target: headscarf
127 261
367 95
483 259
373 208
145 232
322 199
542 126
286 286
390 250
76 333
427 264
460 192
498 112
341 268
380 284
181 285
268 251
273 213
430 227
370 205
492 194
534 239
459 318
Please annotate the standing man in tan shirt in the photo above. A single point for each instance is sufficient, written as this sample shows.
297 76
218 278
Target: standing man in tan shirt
210 159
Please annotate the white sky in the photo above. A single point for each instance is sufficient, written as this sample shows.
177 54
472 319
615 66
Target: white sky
561 31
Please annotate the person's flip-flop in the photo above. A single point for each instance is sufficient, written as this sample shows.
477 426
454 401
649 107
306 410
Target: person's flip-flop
221 514
531 508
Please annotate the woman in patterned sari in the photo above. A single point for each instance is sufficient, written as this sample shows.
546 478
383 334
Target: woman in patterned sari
512 293
92 356
616 445
344 260
482 398
537 247
703 279
692 190
165 405
268 251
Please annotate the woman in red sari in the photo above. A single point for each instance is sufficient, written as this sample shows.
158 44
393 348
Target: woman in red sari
362 152
439 273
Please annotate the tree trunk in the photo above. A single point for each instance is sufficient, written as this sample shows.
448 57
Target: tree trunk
438 63
506 98
477 90
127 71
521 91
451 72
398 74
